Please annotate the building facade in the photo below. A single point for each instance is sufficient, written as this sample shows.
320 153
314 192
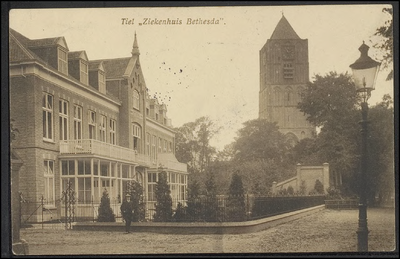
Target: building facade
284 73
88 122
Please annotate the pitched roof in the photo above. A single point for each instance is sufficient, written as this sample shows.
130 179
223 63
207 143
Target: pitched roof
17 47
47 42
115 68
284 30
77 55
19 51
96 65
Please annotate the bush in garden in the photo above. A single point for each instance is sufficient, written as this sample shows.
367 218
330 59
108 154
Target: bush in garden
318 187
180 213
211 203
163 199
290 190
235 207
106 214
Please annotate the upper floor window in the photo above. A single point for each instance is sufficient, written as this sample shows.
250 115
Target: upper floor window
288 70
84 72
137 132
156 116
92 125
153 147
148 143
62 61
136 99
47 106
113 137
77 122
102 128
165 145
63 123
159 145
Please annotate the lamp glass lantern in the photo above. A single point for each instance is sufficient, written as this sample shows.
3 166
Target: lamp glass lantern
365 71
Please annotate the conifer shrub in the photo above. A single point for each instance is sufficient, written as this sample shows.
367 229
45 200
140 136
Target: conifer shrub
106 214
163 199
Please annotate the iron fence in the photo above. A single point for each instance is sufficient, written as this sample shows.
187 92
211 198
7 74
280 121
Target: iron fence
218 208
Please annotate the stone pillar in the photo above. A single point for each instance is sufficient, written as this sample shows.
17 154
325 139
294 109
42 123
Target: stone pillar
298 177
325 177
19 246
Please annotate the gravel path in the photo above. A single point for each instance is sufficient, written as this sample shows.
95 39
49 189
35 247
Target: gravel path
324 231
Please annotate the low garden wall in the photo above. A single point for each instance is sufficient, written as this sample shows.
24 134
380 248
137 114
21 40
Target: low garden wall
199 227
341 204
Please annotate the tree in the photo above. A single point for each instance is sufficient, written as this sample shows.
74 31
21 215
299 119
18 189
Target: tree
330 103
193 144
163 199
211 206
236 207
193 147
135 189
261 151
381 151
259 140
319 187
106 214
384 42
328 99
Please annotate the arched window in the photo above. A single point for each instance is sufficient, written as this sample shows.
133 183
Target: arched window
289 95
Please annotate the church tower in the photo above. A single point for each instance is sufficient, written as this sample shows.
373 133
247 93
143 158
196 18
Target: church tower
283 75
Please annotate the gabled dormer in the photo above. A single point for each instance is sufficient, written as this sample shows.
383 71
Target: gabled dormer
53 51
97 77
78 66
163 114
154 109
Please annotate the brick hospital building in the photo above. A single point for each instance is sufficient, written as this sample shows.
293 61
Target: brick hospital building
90 122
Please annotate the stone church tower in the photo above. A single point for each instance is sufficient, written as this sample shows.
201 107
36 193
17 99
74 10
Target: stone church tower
283 75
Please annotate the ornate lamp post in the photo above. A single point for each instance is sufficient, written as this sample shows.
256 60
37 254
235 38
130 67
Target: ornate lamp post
365 71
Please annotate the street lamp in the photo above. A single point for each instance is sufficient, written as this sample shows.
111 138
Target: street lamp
365 70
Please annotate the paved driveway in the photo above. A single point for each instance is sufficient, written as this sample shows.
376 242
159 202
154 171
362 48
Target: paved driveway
323 231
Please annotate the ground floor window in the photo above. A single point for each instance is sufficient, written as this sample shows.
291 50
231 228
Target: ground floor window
49 193
84 190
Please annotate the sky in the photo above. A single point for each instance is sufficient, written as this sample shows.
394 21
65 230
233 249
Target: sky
211 69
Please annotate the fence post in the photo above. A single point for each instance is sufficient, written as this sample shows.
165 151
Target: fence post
248 207
93 209
66 208
20 209
42 208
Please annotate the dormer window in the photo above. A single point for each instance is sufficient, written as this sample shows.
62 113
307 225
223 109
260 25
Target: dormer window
62 61
136 100
84 72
